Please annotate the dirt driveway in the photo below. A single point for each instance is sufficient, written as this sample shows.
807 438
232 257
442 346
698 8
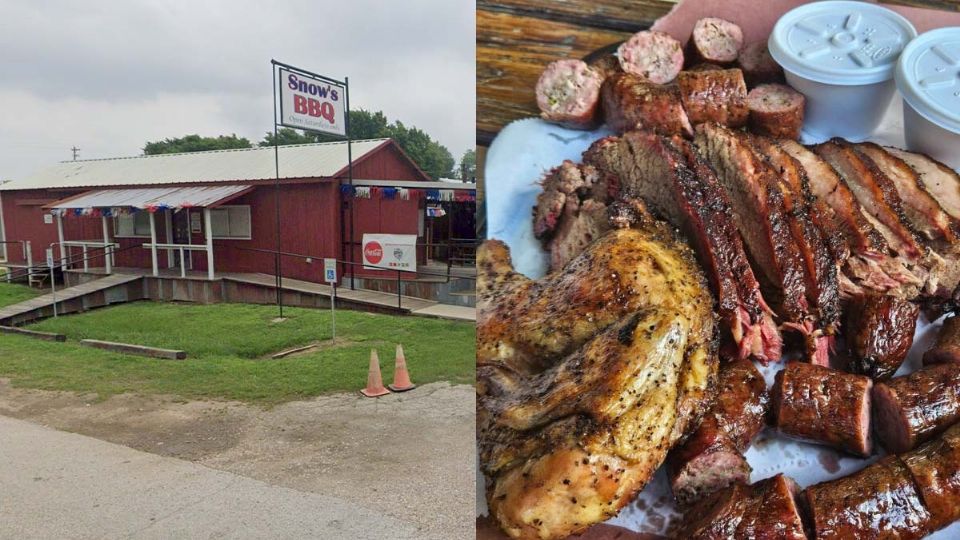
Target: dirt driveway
408 455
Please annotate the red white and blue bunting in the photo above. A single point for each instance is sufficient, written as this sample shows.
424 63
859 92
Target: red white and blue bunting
405 194
115 211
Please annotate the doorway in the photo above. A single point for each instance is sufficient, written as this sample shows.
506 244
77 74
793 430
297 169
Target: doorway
181 235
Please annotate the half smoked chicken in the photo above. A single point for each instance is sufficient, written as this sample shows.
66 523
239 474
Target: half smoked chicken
587 377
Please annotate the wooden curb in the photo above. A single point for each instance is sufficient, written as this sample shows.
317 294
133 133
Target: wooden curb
139 350
295 350
47 336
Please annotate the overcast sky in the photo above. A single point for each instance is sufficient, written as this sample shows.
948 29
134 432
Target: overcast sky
107 76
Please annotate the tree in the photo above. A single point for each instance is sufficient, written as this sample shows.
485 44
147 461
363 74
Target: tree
468 166
432 157
195 143
288 136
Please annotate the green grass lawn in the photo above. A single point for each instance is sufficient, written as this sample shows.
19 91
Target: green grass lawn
227 345
13 293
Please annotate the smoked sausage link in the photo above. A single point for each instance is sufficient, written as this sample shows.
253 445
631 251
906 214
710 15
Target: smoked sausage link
877 502
915 408
819 404
935 467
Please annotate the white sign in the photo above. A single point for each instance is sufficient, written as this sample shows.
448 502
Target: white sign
330 270
48 219
314 104
49 257
390 251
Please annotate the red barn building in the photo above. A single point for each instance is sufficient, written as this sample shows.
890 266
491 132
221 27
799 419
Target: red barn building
217 210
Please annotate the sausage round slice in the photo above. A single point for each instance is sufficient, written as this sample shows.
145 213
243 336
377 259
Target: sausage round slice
947 347
879 332
819 404
764 510
915 408
630 102
935 467
776 110
714 96
758 66
742 402
879 501
568 93
706 463
711 459
653 56
715 40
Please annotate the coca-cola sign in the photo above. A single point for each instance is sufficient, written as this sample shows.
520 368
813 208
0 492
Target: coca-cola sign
373 252
390 252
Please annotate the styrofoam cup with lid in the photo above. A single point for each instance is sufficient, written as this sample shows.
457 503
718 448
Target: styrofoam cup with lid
928 77
841 56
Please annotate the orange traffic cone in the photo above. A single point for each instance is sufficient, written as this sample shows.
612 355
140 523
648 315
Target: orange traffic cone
401 378
374 379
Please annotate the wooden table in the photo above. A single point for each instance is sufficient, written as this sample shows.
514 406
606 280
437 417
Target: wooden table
517 38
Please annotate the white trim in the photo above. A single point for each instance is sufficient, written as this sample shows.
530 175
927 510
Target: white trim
153 244
63 254
3 234
209 237
168 233
107 249
420 184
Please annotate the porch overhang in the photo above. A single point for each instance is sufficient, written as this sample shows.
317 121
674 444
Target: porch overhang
153 198
116 201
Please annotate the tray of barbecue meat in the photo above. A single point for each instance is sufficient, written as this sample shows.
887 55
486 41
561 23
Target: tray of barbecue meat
700 318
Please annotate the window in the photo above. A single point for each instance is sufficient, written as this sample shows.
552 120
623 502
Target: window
230 222
132 225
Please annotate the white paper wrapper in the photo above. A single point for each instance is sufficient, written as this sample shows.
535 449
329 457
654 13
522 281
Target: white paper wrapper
516 161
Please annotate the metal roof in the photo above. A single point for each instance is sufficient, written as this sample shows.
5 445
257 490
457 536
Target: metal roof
319 160
142 198
415 184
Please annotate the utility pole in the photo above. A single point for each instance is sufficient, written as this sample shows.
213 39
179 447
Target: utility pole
75 151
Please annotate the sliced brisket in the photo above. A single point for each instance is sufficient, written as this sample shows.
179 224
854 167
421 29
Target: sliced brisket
939 180
760 216
682 190
820 260
870 266
922 210
875 193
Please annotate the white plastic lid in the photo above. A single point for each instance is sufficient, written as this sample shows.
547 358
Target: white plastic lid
928 76
840 42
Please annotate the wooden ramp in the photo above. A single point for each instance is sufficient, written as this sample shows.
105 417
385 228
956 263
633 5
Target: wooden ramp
112 289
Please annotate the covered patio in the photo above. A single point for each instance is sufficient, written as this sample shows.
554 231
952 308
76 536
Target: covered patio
114 204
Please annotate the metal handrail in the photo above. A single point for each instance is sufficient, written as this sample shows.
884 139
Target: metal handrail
43 270
400 273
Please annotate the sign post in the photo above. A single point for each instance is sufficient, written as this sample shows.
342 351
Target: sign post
310 102
53 285
330 276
